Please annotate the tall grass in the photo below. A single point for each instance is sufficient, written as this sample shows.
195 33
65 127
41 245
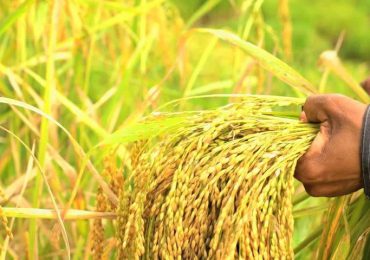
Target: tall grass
76 76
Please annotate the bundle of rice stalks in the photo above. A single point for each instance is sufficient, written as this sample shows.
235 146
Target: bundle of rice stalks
219 186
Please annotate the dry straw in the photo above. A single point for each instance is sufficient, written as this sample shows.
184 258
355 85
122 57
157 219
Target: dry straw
219 187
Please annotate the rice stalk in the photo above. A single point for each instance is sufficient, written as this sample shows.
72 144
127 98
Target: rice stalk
331 61
218 187
284 14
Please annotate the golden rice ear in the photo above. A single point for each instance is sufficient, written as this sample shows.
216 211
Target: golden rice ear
98 228
219 187
3 218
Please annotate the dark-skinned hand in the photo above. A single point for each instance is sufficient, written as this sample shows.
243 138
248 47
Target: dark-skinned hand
332 165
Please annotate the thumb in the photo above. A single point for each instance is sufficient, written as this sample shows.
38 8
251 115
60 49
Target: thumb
316 108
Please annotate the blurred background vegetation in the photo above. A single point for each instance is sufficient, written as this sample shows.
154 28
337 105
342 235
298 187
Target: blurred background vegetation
98 66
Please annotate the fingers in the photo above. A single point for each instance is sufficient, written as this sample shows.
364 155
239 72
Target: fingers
318 108
318 180
310 167
332 108
332 189
314 109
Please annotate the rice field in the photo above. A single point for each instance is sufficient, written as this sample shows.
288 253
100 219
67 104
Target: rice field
158 129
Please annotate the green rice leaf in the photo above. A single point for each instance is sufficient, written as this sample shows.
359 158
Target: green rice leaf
143 130
274 65
219 85
8 21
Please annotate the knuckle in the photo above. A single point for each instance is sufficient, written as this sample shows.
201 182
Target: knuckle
310 101
308 171
326 101
299 170
335 102
330 102
314 174
336 96
314 190
317 106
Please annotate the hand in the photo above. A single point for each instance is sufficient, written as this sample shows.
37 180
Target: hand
332 165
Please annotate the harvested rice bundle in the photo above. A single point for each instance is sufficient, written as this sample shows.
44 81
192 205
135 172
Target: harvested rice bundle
218 187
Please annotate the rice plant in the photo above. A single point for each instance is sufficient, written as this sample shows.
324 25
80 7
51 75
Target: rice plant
161 129
218 187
